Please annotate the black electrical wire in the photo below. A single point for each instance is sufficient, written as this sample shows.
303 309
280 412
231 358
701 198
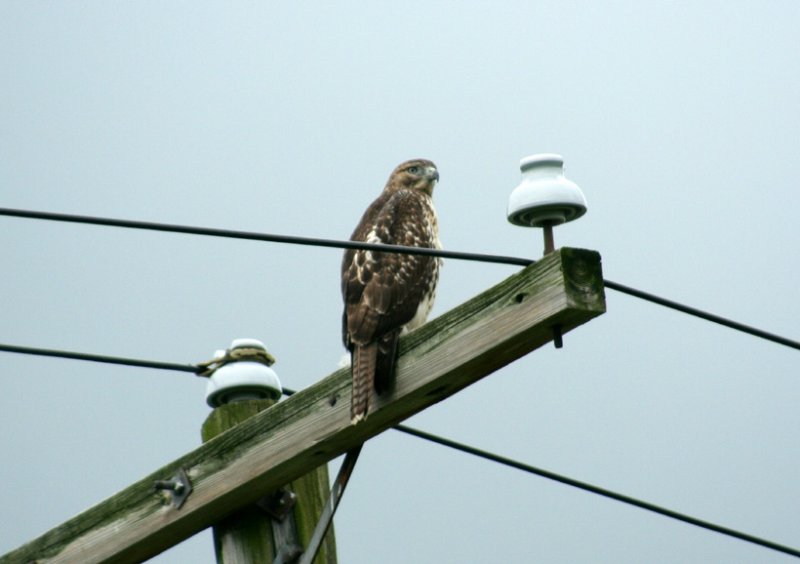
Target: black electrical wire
269 237
101 358
310 241
702 314
598 490
486 455
402 428
195 369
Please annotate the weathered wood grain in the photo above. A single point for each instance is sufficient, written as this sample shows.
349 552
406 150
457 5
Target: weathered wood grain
249 534
288 440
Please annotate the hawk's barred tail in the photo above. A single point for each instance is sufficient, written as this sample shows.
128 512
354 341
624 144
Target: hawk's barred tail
363 367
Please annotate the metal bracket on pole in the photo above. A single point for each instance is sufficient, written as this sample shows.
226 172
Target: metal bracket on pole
279 505
337 490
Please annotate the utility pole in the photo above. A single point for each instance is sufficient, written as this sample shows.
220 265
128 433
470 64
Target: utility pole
274 446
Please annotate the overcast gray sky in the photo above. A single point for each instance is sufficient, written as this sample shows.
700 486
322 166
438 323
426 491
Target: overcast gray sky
679 121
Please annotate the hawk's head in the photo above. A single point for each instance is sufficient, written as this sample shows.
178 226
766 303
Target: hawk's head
416 174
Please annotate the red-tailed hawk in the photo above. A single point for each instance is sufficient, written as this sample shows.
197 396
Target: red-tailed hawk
386 294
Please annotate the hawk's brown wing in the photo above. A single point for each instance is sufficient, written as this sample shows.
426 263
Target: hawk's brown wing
382 291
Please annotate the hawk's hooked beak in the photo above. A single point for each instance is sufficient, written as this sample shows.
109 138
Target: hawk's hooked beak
432 173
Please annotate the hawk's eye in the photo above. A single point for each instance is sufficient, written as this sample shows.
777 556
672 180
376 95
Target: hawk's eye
414 170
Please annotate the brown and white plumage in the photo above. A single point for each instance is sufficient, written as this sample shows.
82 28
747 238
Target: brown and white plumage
386 294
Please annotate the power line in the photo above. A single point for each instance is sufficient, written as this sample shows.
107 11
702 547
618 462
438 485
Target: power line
598 490
310 241
486 455
435 439
414 432
269 237
713 318
101 358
